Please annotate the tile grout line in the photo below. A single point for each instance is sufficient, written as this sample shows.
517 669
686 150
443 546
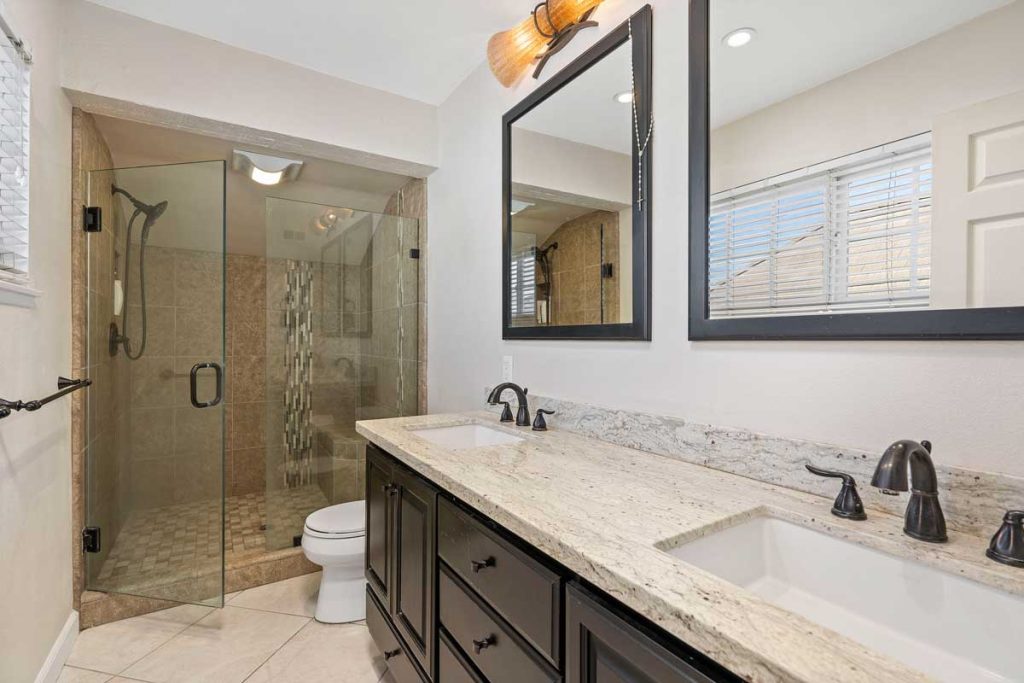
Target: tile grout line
290 639
175 635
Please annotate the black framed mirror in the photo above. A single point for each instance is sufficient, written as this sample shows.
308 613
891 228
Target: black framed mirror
856 169
576 196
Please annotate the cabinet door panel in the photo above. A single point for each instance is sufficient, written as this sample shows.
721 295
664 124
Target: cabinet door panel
379 489
396 656
602 647
415 559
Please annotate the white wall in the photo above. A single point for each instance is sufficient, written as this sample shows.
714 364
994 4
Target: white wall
967 397
35 453
136 69
890 99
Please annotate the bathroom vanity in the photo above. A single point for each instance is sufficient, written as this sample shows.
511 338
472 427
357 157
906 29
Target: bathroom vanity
500 554
454 597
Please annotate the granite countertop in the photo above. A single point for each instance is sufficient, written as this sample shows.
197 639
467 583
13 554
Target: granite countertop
602 510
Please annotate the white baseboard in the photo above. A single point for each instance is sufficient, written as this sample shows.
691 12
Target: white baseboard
60 651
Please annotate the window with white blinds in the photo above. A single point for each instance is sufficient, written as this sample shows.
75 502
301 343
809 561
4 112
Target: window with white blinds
14 136
523 305
850 235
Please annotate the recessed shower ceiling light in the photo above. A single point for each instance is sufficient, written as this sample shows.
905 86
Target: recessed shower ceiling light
265 169
624 97
739 37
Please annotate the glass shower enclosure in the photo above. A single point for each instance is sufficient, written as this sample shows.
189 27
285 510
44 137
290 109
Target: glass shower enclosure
342 341
226 385
154 460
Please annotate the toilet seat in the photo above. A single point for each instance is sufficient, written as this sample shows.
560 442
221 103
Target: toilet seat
347 520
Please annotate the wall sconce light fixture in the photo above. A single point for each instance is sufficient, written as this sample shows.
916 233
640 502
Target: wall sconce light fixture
548 29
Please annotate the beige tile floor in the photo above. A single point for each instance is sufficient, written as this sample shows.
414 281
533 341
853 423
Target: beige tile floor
264 634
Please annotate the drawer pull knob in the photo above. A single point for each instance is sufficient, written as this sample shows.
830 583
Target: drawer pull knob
479 645
388 654
389 488
482 564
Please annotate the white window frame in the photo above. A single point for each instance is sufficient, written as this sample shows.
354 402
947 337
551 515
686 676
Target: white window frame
827 189
15 121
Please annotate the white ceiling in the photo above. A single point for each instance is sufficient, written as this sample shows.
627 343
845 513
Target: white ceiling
804 43
418 49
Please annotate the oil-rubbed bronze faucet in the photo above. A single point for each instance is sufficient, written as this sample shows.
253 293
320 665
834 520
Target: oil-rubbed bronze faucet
924 519
523 413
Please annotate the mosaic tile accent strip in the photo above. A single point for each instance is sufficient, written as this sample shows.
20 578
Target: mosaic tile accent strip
298 392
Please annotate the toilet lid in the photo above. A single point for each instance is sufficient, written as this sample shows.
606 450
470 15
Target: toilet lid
347 519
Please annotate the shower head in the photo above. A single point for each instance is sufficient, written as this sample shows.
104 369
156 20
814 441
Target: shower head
151 212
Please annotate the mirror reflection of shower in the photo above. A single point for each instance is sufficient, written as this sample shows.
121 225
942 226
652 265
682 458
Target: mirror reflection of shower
150 213
544 289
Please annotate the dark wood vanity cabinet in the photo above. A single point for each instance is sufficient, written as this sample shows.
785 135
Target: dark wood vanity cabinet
604 647
453 598
401 510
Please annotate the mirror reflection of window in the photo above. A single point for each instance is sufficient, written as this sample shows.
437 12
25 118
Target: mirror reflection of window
571 209
865 156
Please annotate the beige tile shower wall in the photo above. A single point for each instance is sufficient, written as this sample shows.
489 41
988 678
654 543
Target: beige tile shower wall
99 415
411 202
175 453
246 399
580 294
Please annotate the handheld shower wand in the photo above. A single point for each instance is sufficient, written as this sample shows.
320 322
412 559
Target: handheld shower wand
151 213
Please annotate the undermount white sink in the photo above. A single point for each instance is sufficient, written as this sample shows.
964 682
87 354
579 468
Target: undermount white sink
947 627
466 436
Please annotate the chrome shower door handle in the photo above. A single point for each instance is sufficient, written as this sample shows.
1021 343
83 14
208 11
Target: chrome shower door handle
193 388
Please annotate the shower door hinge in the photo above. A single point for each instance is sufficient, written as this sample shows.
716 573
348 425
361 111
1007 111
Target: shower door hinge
92 218
414 253
607 270
91 539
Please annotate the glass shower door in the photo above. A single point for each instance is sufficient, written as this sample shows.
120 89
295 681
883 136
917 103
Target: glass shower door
342 344
154 463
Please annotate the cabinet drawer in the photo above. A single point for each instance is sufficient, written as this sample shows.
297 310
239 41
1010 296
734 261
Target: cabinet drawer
523 591
451 664
495 649
397 658
604 647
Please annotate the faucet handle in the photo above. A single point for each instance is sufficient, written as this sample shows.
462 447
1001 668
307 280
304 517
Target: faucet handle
847 504
506 412
1007 545
539 423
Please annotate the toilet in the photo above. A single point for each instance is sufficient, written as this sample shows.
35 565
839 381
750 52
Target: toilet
333 537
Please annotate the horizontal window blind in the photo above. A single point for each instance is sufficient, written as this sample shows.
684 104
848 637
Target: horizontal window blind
14 136
855 236
523 304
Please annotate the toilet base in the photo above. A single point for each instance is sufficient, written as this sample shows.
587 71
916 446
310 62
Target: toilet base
342 596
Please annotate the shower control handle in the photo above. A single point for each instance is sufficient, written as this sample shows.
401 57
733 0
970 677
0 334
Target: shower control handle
193 384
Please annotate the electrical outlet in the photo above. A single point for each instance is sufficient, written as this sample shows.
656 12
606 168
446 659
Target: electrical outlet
506 368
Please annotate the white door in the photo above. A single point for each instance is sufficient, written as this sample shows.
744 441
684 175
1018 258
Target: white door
978 212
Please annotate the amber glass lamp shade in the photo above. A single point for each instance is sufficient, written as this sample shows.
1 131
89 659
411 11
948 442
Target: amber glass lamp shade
511 51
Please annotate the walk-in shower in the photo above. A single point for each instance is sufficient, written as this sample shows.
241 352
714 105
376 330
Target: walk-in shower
151 213
313 314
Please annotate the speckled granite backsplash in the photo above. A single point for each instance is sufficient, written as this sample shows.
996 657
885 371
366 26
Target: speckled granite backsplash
974 502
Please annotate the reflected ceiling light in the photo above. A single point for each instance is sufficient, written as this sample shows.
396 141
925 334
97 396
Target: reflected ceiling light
739 37
329 218
265 169
624 97
549 28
